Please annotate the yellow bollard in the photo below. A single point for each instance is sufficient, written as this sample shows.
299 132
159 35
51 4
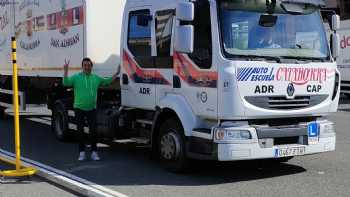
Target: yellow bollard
20 170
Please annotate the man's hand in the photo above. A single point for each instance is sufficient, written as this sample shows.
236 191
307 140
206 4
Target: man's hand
65 67
115 76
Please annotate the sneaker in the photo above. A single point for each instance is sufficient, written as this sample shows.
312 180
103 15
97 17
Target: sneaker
94 156
82 156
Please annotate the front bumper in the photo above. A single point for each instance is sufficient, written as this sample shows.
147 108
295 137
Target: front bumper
264 142
231 152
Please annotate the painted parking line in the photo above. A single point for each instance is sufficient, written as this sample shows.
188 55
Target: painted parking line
77 184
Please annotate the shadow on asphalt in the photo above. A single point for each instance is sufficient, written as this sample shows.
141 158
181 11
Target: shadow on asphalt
139 169
131 165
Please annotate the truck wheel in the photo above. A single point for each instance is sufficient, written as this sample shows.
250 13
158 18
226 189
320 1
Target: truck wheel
60 122
171 142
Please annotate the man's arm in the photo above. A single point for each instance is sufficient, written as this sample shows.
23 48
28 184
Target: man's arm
65 67
108 81
67 81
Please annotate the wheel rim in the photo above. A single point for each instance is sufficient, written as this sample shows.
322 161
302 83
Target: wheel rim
59 124
170 146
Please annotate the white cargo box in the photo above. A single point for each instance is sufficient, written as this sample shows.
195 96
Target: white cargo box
50 32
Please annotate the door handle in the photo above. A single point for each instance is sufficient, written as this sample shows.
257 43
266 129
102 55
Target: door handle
125 79
176 82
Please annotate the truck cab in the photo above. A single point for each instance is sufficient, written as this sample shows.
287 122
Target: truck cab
341 7
230 79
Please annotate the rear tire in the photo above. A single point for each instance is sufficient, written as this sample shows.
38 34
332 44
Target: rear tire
60 122
172 148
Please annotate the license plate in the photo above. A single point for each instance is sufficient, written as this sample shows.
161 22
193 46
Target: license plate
290 151
313 133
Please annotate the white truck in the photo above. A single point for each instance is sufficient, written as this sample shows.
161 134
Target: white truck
194 82
344 57
342 7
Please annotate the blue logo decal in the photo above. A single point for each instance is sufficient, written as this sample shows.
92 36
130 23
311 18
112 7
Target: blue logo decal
290 90
313 129
255 74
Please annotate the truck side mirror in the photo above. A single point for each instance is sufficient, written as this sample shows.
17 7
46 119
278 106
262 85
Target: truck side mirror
335 45
185 11
335 22
184 37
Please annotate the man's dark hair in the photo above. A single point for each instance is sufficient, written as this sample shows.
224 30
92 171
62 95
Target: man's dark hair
86 59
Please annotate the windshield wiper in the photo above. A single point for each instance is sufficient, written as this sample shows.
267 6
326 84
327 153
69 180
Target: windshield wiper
299 46
258 57
312 59
279 59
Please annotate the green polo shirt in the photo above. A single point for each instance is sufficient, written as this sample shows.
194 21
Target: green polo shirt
85 89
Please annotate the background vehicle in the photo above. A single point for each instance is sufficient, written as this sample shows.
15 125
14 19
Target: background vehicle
193 83
342 7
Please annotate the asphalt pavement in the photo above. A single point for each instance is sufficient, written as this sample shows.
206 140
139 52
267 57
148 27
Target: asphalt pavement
129 169
30 186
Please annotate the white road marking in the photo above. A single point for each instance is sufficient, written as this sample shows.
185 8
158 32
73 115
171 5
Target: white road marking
71 181
40 120
47 121
81 167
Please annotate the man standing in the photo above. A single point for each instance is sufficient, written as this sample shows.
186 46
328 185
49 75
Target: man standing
85 85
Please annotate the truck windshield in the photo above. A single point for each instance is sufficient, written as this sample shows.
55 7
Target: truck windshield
292 36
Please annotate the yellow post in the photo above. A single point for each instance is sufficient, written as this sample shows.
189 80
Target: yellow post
20 171
15 102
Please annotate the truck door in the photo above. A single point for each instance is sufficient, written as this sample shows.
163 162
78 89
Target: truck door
138 68
196 72
164 22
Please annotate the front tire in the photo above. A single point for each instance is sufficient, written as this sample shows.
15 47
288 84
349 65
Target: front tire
60 122
172 151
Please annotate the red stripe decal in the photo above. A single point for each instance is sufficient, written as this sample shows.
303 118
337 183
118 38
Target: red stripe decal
139 75
188 72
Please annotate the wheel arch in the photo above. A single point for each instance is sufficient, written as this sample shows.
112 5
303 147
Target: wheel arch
174 106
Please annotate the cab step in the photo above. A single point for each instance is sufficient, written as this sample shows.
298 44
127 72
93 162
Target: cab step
144 121
137 140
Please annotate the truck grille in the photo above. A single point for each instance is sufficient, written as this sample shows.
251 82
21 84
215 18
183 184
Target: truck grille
283 103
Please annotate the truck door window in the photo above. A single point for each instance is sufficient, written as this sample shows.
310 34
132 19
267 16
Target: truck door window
344 9
139 37
164 28
202 54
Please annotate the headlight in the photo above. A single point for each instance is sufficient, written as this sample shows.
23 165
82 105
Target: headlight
224 134
327 130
